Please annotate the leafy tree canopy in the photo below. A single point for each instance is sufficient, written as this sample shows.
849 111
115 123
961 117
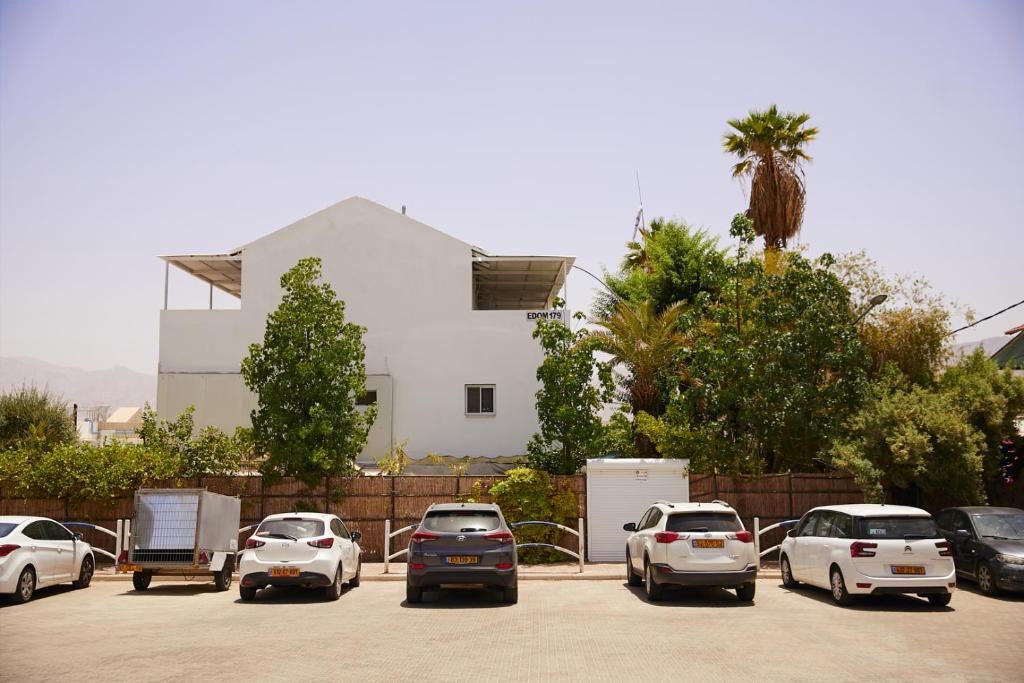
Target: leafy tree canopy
36 417
308 373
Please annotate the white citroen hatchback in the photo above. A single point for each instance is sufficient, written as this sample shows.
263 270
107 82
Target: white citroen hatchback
869 550
307 549
690 544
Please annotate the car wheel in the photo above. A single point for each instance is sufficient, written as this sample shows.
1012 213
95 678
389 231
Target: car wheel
510 595
940 600
85 573
354 581
839 592
140 580
746 591
986 582
247 593
333 592
787 573
631 578
26 586
413 594
652 589
222 579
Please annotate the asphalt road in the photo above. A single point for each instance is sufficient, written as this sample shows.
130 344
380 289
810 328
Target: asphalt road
580 630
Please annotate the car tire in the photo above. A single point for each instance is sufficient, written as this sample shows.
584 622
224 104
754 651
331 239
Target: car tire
746 592
839 592
413 594
940 600
787 573
140 580
986 581
510 595
26 586
354 581
333 592
85 573
652 589
631 578
222 579
247 593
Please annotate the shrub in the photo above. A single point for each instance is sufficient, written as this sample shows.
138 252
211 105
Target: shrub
526 494
31 416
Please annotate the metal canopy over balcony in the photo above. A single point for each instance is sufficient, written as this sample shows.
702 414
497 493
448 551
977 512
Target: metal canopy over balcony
517 283
223 271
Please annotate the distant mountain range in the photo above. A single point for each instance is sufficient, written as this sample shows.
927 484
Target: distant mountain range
990 345
117 386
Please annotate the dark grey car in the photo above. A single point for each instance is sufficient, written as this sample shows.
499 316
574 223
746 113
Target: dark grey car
462 543
988 545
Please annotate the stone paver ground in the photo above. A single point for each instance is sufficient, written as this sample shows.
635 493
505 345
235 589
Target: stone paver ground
560 630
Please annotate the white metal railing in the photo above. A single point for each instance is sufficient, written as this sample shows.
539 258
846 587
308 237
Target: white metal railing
121 536
757 536
578 533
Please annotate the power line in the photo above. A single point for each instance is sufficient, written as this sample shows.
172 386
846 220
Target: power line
987 317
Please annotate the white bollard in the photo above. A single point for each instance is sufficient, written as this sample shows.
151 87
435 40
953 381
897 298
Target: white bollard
757 541
387 543
582 543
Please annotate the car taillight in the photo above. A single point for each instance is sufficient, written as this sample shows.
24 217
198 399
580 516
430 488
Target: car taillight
417 565
503 565
421 536
253 543
501 536
944 549
322 542
744 536
666 536
7 549
123 557
204 557
862 549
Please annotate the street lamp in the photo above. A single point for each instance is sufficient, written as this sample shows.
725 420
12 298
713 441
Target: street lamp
876 300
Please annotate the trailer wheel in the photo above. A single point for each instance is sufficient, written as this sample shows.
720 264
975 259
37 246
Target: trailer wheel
141 580
222 579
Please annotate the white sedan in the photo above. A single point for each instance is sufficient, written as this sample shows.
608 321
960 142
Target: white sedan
869 550
36 552
307 549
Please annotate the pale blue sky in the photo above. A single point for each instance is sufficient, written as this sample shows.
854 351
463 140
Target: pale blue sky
130 129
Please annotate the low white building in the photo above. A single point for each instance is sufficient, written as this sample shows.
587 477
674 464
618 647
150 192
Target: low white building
449 356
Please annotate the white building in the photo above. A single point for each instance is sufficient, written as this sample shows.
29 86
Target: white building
449 354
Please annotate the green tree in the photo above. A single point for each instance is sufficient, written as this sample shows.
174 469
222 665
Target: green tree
211 453
34 416
770 147
308 373
568 402
525 494
651 348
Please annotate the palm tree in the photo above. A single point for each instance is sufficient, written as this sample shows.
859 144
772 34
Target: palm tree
770 146
650 345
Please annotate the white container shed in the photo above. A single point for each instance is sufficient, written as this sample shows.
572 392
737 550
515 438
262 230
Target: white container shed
619 490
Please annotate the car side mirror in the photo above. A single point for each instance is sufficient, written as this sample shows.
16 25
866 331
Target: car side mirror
78 537
791 533
356 535
963 534
629 527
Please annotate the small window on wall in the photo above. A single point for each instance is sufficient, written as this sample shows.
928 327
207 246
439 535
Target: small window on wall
367 399
479 399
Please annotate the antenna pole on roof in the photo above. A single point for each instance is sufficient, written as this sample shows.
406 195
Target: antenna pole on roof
640 212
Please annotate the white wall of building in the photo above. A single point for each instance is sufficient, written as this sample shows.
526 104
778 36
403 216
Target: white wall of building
411 287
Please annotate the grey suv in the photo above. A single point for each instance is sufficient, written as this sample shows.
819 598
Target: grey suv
462 543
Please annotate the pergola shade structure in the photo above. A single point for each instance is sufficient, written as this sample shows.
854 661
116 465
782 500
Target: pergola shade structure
223 271
517 283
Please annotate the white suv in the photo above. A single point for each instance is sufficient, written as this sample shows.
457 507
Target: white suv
869 550
690 544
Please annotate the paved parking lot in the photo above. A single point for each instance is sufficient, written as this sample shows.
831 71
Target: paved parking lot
560 630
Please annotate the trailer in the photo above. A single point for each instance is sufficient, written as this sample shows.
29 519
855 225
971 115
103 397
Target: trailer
182 532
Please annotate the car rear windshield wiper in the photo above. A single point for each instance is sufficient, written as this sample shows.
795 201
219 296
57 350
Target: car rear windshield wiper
471 528
272 535
1000 538
697 528
910 537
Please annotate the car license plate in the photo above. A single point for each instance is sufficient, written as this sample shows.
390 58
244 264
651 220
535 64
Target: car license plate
463 559
125 568
708 543
907 569
284 571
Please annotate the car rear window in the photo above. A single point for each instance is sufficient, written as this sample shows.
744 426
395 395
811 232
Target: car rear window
6 528
455 521
1003 525
702 521
896 527
296 527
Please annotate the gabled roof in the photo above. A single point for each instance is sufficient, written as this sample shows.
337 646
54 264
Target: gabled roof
1011 355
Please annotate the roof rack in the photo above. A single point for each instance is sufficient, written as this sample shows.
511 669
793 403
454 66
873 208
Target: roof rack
664 502
721 502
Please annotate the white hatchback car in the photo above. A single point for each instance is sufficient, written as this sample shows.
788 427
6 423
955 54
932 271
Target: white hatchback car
36 552
691 544
869 550
306 549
